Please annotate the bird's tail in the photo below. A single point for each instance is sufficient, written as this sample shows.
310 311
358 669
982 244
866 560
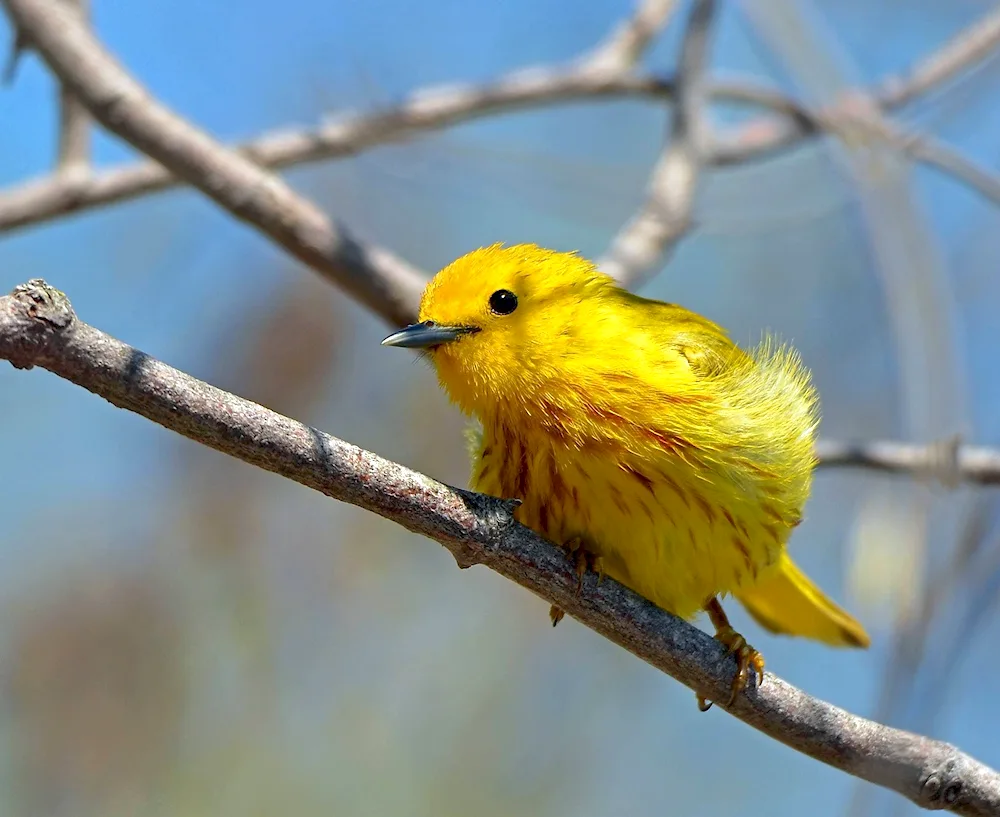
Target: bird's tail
787 602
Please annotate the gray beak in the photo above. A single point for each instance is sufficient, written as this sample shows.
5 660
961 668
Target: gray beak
427 334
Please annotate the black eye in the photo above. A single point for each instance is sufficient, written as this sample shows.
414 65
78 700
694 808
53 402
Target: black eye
503 302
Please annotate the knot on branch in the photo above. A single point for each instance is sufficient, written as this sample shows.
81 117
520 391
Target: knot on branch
45 303
942 788
945 461
32 316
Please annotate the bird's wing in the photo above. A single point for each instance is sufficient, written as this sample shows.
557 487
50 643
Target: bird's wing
703 344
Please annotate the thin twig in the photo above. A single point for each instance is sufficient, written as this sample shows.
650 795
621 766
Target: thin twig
74 121
627 42
935 153
386 284
645 242
971 45
39 328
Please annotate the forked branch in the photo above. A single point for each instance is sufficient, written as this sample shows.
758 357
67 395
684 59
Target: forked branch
430 109
645 241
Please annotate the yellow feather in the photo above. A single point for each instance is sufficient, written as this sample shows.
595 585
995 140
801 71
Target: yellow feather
787 602
638 428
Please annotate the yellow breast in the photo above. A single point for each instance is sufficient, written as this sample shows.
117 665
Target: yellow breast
675 529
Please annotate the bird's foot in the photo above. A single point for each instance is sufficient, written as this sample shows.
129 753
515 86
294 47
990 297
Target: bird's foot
583 559
748 660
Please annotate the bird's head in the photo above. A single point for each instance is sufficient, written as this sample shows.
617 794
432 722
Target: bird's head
502 324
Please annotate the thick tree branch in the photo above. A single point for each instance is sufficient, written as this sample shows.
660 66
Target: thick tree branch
645 242
39 328
386 284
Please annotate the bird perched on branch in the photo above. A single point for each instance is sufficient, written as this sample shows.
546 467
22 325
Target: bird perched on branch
638 436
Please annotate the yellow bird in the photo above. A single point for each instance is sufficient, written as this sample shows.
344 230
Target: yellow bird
637 435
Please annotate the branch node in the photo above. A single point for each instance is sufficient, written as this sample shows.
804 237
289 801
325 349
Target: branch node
45 303
943 788
945 462
465 558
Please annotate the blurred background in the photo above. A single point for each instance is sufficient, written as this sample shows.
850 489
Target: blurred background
183 634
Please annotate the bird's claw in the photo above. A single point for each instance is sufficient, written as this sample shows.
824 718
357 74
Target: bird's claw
583 560
748 661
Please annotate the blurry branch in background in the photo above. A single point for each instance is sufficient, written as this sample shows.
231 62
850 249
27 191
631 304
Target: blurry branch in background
50 197
969 46
857 120
600 73
39 328
920 305
384 283
645 242
767 135
74 121
948 460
